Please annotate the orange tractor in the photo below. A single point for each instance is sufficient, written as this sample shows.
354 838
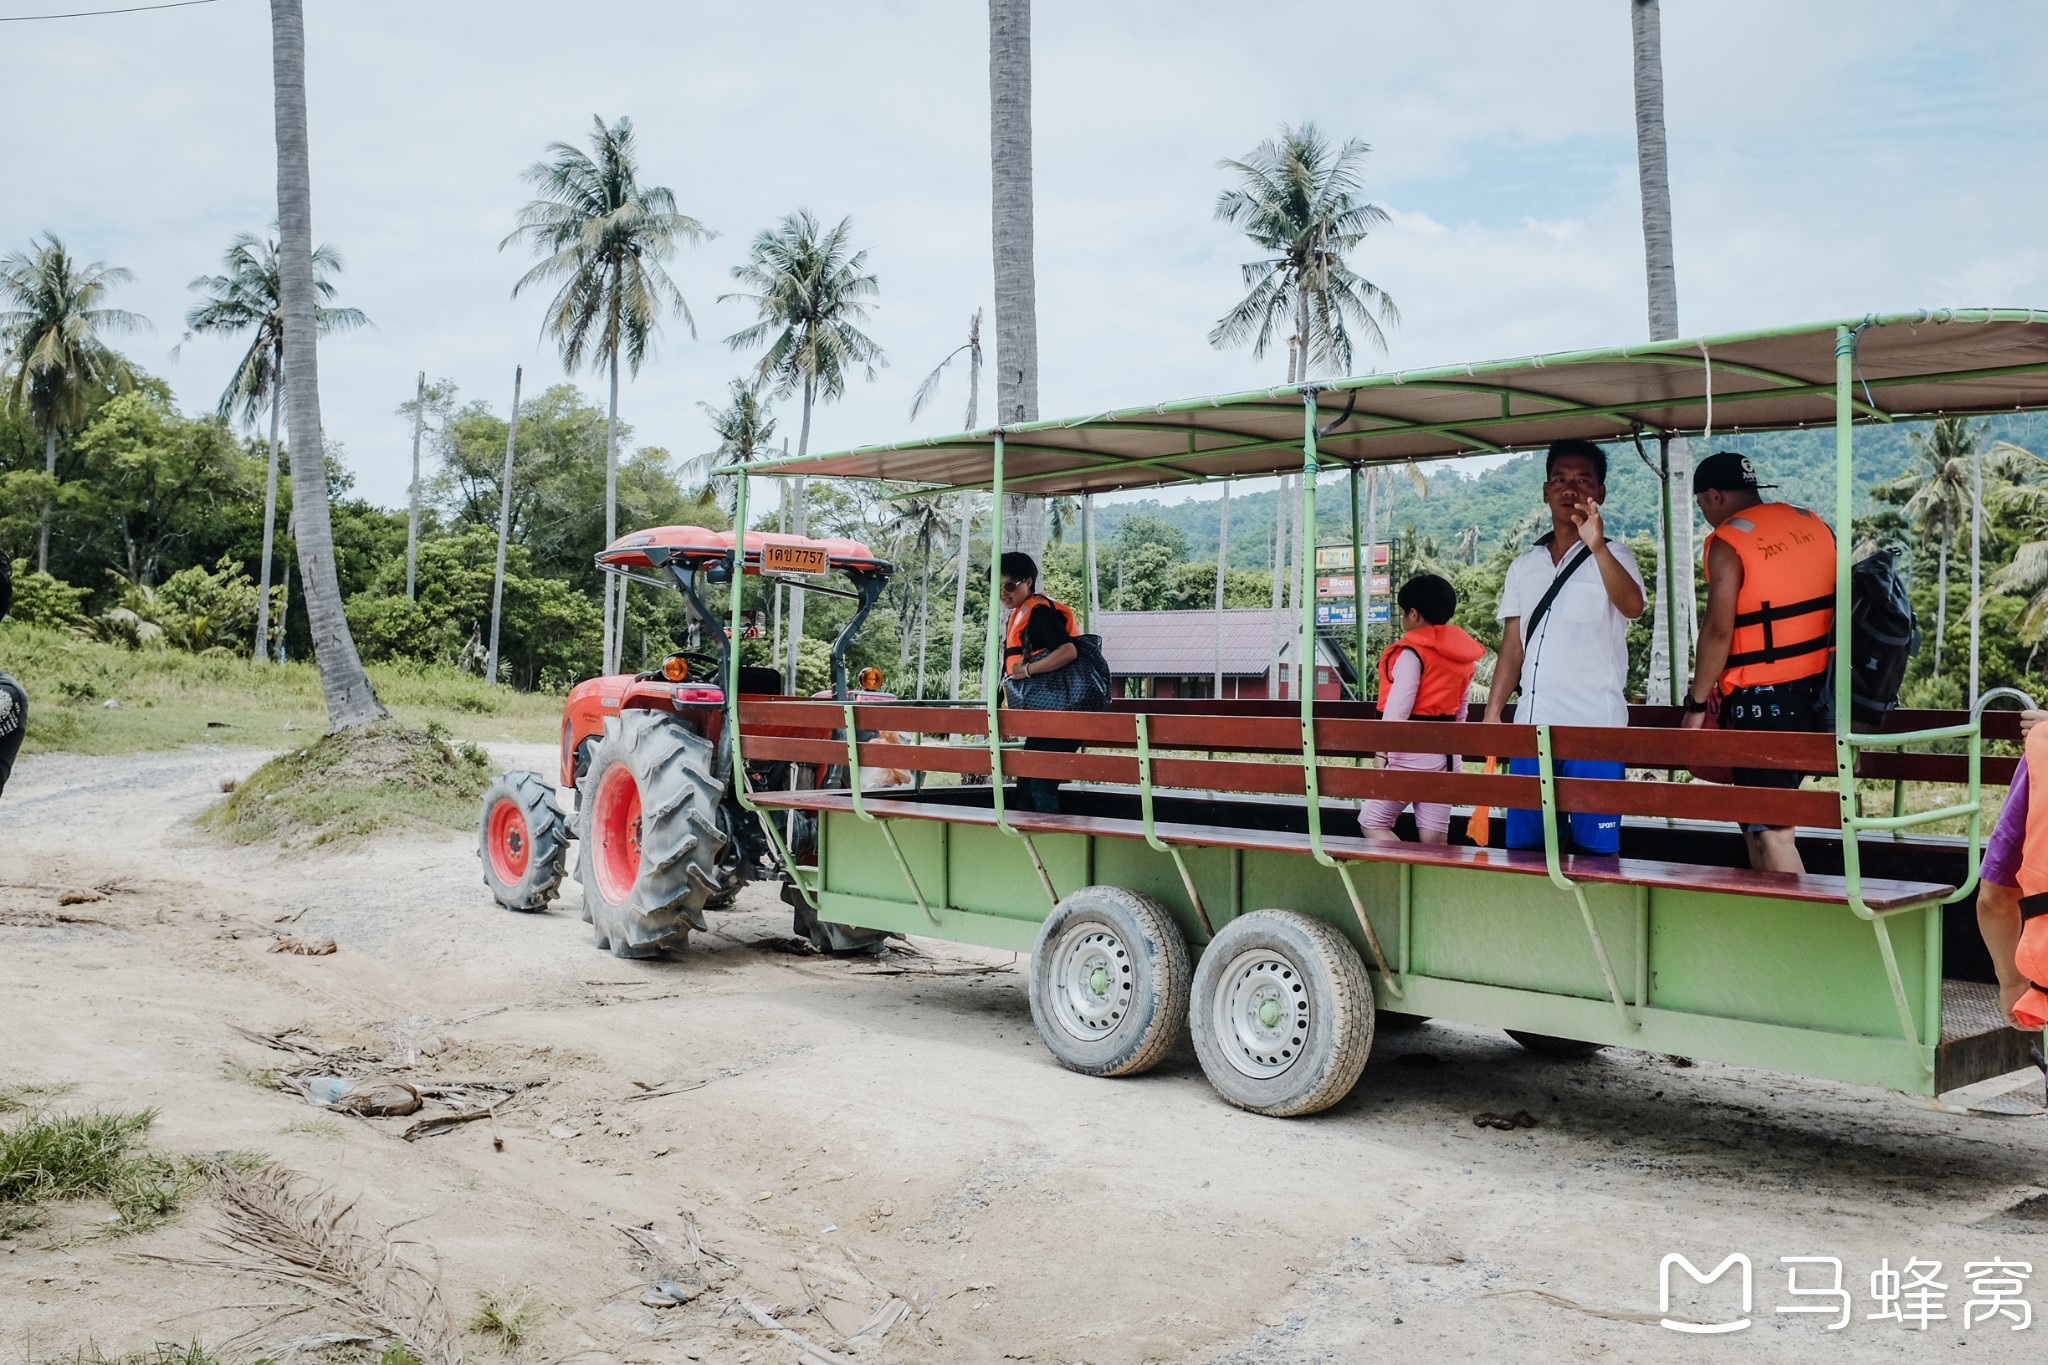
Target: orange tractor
661 833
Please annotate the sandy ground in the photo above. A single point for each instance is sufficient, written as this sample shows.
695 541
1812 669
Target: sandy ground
844 1132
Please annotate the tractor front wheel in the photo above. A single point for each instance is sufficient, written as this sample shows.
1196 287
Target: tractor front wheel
522 841
652 840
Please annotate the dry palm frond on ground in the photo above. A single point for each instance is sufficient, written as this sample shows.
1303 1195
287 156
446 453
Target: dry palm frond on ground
277 1225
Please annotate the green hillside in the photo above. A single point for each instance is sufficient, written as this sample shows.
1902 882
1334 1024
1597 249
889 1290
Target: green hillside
1801 462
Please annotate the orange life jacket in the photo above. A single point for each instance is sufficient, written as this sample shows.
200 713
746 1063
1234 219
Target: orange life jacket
1013 636
1449 656
2032 957
1785 615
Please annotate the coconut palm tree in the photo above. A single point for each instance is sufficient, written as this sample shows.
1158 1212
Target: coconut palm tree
1296 199
604 237
811 291
1653 176
971 348
2024 504
744 427
920 526
249 298
1935 498
1013 235
351 701
54 332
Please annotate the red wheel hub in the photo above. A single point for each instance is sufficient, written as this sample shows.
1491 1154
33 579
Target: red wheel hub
510 844
615 825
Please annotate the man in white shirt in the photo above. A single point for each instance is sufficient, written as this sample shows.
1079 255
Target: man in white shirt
1568 654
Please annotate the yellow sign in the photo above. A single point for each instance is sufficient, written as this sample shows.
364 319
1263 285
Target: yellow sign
1340 586
793 558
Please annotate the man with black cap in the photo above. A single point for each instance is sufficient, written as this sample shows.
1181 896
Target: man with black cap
1769 628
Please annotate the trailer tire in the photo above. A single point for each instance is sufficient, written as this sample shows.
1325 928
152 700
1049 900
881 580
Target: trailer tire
652 841
522 841
1109 982
1282 1015
1562 1049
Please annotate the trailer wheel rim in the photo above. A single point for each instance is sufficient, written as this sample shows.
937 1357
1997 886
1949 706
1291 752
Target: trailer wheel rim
1261 1013
1092 981
615 825
511 846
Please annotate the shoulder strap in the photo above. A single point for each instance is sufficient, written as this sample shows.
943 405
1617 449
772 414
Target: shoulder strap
1543 605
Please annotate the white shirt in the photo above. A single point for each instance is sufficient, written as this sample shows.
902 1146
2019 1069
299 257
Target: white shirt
1575 667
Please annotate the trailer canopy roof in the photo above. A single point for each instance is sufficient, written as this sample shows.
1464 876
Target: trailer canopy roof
1908 366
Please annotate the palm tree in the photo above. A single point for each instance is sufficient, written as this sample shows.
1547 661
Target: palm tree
1016 271
1935 497
1653 175
54 334
971 348
2026 575
811 291
920 524
1296 198
249 298
351 701
744 428
605 237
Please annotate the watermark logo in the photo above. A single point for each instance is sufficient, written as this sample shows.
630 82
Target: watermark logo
1747 1284
1915 1296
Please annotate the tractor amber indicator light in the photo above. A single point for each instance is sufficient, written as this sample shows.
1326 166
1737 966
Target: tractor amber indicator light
870 679
675 668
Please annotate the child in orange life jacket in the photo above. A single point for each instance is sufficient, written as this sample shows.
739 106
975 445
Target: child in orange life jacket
1424 675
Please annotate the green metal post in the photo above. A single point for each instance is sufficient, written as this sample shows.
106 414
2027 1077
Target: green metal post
1674 573
1360 575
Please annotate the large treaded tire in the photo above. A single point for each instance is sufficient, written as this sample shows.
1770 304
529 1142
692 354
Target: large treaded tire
1109 982
1282 1014
652 842
522 841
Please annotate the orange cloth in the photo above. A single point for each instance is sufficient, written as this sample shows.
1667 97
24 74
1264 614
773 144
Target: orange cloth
2031 1011
1449 657
1013 637
1785 615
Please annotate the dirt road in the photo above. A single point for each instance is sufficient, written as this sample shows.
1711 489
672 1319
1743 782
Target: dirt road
847 1132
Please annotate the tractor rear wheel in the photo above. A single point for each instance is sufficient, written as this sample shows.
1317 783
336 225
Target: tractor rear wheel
522 841
652 841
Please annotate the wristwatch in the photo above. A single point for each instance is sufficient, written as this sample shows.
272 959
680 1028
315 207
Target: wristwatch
1693 705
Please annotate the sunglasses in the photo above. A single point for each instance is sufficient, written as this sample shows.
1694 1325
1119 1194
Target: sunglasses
1010 585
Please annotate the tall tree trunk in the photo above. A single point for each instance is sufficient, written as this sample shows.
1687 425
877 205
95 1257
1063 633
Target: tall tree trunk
1273 635
799 524
505 532
1941 599
1009 88
351 701
412 499
269 526
613 626
960 586
1088 555
1654 176
43 531
924 619
1222 569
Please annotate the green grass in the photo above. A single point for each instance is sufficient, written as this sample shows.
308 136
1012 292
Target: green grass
509 1315
169 697
346 786
163 1353
96 1154
319 1128
24 1095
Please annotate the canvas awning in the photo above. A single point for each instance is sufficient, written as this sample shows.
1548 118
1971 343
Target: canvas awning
1908 366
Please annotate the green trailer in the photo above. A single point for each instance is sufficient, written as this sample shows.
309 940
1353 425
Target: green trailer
1207 868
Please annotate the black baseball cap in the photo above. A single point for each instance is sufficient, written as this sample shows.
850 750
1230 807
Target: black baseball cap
1727 470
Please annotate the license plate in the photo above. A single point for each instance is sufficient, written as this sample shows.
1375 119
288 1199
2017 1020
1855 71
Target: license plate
793 559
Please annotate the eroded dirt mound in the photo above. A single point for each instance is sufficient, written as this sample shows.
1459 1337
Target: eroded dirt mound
353 782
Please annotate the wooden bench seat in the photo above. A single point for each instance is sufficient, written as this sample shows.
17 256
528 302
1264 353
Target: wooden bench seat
1878 894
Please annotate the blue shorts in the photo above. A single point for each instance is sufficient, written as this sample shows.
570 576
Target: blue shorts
1596 834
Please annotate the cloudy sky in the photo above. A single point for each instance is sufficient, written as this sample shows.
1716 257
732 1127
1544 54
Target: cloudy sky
1828 158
